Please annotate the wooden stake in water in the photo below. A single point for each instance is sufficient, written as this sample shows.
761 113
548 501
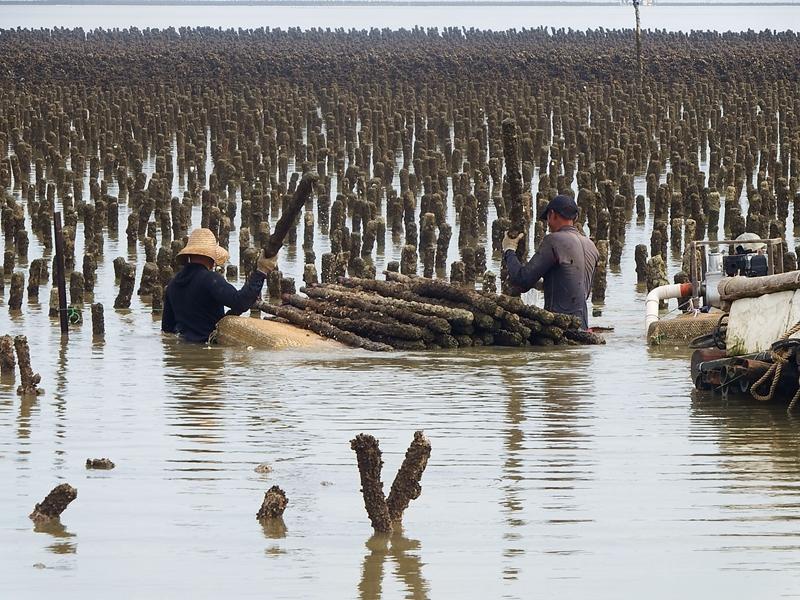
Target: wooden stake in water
54 503
638 42
60 275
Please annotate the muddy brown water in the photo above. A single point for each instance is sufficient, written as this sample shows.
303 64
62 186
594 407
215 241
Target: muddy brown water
590 471
586 472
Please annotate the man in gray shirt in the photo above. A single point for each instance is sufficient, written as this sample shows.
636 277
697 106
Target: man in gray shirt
566 259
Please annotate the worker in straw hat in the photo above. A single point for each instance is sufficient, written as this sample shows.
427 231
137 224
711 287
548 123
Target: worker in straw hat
196 297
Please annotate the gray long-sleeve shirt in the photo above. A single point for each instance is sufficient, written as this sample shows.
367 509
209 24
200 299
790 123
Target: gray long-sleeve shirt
566 260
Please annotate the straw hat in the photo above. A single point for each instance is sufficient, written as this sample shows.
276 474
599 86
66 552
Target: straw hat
202 242
222 256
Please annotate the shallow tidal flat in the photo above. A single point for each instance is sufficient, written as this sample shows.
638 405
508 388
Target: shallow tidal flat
571 470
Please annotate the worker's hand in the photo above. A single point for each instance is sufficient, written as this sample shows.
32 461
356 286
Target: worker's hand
511 243
267 265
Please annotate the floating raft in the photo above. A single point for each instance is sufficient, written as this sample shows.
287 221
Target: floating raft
268 334
416 313
683 328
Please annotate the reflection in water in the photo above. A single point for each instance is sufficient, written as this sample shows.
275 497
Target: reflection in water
62 543
27 402
61 367
60 403
8 385
405 553
194 375
7 399
371 585
546 413
514 391
274 529
408 566
753 476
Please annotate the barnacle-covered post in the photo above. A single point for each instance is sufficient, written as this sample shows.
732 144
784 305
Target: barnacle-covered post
54 503
518 220
275 502
29 379
406 487
368 454
98 320
638 43
7 361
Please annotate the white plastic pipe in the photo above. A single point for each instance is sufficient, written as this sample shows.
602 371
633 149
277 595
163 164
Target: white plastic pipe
663 292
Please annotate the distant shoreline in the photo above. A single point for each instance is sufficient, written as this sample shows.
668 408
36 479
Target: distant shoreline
380 3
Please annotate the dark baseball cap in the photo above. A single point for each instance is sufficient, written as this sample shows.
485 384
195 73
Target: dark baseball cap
563 205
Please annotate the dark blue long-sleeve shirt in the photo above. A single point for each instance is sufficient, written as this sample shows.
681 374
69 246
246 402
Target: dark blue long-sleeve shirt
196 298
566 260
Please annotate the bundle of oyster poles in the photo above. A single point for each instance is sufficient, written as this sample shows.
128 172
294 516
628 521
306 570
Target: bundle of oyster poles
416 313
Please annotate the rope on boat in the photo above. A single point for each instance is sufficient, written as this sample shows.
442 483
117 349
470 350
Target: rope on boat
780 357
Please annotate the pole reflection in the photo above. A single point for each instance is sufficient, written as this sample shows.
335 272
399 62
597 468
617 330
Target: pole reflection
63 542
274 529
60 403
405 554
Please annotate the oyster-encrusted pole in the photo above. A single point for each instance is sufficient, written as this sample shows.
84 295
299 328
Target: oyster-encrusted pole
518 219
368 454
54 503
406 486
638 42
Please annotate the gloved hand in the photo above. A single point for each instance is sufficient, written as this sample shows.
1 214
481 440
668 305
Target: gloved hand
267 265
511 243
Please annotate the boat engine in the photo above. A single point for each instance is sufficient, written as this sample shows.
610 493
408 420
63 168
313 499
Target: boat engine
751 257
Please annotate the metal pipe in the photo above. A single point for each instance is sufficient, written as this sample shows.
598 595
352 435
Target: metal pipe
752 369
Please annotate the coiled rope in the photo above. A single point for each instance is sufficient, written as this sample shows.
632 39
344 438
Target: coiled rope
780 357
